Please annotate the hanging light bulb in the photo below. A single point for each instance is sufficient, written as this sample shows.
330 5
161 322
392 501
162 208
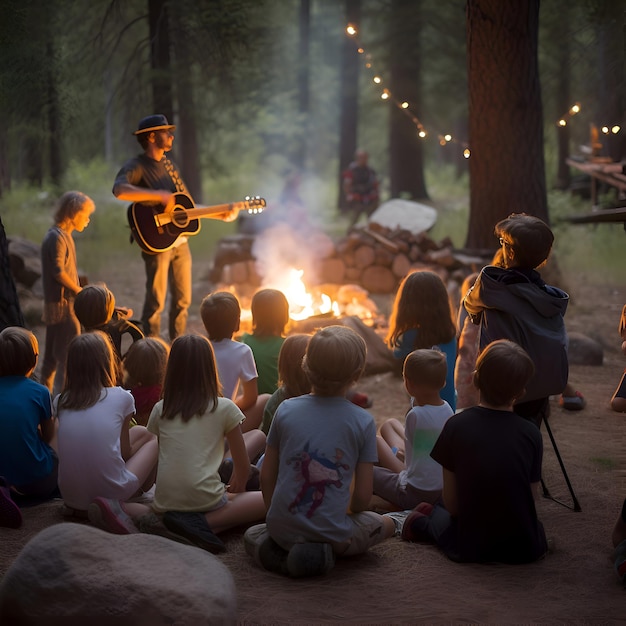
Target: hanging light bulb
351 30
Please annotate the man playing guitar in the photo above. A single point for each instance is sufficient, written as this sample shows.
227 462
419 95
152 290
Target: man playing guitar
153 179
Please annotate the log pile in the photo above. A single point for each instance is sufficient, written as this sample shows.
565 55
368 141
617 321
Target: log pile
373 257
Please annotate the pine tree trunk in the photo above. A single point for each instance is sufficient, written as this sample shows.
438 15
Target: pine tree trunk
507 173
405 147
349 89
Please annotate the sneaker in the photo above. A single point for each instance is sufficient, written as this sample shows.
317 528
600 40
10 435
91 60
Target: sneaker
70 512
398 518
193 526
412 529
264 550
272 557
576 402
108 514
310 559
152 525
10 514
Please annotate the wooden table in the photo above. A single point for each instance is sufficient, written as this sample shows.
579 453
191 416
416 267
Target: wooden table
610 173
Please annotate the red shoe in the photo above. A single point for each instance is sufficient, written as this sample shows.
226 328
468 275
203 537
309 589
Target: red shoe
576 402
109 515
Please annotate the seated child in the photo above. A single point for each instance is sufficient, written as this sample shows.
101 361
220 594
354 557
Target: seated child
317 474
144 369
419 478
28 464
491 460
220 312
292 381
422 318
191 422
100 456
95 309
270 316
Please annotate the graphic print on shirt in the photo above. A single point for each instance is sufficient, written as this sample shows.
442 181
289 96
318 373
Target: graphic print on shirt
316 473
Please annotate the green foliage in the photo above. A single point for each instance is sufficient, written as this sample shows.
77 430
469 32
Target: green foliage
591 252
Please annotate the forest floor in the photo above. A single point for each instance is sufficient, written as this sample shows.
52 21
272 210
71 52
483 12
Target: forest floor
398 582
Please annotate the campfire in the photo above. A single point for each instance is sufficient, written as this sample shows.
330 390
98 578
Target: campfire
318 303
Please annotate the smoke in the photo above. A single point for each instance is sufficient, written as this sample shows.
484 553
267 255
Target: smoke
278 250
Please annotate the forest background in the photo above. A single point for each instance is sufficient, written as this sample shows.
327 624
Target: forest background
260 89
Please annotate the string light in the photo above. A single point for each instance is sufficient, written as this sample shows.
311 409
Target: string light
404 106
573 110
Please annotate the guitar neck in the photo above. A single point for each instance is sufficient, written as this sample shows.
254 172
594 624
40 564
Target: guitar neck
207 211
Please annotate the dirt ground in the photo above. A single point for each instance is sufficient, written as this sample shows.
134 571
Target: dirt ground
408 583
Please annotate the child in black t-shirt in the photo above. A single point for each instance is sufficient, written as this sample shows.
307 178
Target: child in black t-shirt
491 461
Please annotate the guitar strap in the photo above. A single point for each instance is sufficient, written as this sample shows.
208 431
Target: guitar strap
174 175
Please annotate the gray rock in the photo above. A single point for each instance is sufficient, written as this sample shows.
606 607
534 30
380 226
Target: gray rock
584 350
74 574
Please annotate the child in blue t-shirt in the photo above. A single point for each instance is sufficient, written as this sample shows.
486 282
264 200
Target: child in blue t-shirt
28 465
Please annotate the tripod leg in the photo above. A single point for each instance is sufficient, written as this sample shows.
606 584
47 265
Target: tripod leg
576 506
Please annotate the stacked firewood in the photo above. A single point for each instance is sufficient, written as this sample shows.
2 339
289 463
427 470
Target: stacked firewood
373 257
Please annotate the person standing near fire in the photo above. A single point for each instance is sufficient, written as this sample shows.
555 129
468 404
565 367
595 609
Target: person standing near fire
360 188
152 178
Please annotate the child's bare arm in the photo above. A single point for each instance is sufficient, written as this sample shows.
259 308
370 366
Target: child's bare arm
363 487
249 395
269 474
125 438
449 494
241 464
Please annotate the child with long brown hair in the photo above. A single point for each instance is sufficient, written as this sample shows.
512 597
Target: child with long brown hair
292 379
144 370
101 459
422 318
191 422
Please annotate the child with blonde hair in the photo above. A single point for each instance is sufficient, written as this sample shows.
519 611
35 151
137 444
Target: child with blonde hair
404 484
292 380
270 316
422 318
317 474
101 459
59 274
28 463
144 367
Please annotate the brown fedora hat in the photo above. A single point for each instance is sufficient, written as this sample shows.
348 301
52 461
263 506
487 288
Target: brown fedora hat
153 122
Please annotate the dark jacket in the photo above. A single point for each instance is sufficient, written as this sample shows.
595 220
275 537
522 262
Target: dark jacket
517 305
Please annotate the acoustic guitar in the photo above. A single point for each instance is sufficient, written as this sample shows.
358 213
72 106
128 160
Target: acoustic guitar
156 230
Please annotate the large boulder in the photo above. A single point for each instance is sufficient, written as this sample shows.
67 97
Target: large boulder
77 575
583 350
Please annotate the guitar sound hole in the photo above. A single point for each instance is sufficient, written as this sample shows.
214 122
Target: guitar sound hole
180 218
